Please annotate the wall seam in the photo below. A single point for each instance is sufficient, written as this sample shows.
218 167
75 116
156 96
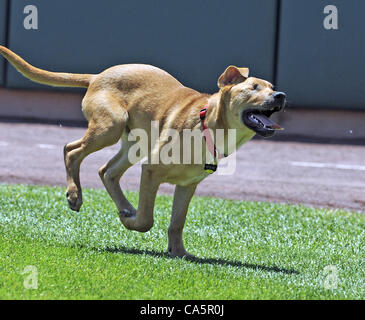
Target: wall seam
277 41
7 31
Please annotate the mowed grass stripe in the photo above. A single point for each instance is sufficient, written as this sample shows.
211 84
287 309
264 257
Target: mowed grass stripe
245 250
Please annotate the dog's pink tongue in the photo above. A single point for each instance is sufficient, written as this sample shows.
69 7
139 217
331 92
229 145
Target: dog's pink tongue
268 122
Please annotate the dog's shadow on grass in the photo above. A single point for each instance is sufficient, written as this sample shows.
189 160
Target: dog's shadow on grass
193 259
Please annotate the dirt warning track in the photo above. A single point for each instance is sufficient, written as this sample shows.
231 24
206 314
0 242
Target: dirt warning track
319 175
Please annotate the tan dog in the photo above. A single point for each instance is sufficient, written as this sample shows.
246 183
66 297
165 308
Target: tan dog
126 97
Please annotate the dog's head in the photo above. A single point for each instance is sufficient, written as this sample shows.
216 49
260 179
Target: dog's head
250 101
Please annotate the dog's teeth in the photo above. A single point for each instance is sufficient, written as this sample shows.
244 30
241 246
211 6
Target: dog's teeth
253 118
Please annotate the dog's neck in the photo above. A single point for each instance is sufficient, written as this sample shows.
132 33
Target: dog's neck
217 118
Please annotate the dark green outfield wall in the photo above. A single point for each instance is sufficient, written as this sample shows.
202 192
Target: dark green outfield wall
283 41
320 67
193 40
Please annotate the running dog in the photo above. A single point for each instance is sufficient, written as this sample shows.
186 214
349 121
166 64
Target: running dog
127 97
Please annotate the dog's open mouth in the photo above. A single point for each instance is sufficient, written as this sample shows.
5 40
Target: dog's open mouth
260 122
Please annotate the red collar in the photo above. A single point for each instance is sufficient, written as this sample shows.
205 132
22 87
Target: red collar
207 137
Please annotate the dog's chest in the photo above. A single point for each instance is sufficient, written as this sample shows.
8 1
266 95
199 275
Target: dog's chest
186 175
194 179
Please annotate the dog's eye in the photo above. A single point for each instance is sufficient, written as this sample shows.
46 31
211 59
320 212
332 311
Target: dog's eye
255 87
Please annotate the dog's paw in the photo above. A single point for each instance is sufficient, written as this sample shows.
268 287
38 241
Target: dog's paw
125 213
128 218
74 201
179 253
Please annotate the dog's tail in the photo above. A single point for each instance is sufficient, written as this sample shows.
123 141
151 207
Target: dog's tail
56 79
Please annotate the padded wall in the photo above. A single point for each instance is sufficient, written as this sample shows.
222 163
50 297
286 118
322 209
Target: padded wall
319 67
193 40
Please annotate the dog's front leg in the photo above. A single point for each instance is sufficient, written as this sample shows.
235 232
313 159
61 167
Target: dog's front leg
182 197
142 221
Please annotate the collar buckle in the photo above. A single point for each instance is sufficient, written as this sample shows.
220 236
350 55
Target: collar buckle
209 167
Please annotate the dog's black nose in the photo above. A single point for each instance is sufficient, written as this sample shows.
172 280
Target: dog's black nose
279 99
279 96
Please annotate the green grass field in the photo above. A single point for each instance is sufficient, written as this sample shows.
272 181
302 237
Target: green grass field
244 250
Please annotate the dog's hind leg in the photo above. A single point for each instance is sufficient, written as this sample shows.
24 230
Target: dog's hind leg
106 125
111 173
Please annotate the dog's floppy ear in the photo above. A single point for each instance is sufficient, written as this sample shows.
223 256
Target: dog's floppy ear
232 75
